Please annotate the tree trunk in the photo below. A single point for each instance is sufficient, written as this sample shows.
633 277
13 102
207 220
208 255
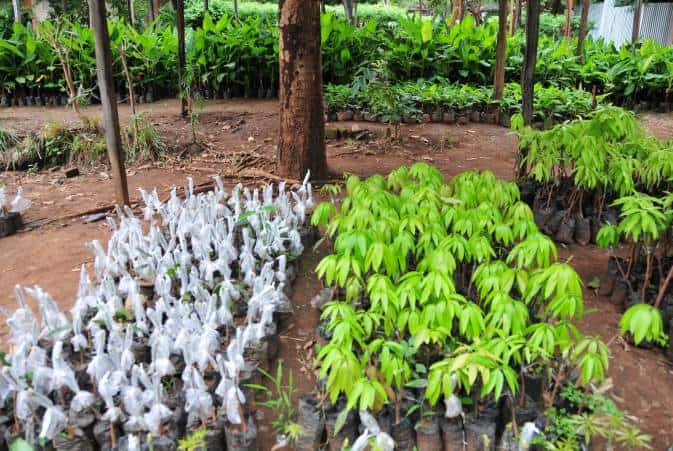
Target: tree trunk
17 10
569 19
555 7
530 58
635 29
584 24
132 15
151 11
108 99
236 9
517 13
500 52
301 146
205 6
180 22
349 10
512 18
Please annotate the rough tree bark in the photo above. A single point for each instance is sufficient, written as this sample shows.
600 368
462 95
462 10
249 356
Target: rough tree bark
301 146
500 51
530 58
108 100
528 72
635 29
584 24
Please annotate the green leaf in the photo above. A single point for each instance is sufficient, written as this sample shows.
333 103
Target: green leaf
20 445
426 31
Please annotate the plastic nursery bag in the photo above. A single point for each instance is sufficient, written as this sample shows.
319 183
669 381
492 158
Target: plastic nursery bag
453 407
19 204
528 432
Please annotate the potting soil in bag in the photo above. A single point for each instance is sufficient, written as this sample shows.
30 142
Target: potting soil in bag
349 431
428 437
480 433
163 443
452 433
583 231
312 422
239 439
566 231
403 434
78 442
507 441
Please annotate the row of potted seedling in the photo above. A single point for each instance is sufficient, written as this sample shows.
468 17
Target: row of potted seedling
450 311
183 308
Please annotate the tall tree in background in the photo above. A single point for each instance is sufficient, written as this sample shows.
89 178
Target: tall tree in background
584 25
635 29
179 6
500 53
529 60
301 146
528 71
350 10
236 9
132 15
17 10
569 19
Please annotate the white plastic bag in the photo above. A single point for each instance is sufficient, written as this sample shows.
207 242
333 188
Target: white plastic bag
20 203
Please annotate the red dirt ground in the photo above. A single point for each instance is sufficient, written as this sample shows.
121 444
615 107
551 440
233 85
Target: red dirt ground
50 251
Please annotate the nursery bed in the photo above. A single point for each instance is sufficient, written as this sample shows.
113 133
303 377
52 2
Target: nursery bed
51 253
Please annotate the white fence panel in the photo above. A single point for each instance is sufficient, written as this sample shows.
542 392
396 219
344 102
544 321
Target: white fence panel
614 23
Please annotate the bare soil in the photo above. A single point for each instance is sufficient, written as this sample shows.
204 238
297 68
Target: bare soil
238 141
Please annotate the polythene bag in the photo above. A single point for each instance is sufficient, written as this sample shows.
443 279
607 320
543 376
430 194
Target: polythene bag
20 203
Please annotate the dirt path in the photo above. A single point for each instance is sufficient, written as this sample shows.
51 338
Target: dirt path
50 255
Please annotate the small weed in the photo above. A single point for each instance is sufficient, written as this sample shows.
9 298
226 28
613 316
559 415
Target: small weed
142 141
279 400
194 441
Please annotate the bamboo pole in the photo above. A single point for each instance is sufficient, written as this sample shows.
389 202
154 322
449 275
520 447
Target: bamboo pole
108 100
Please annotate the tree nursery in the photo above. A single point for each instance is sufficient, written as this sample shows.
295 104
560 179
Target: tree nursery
440 225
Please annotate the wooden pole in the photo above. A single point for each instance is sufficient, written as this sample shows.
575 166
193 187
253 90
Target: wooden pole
635 29
530 58
500 53
108 100
584 24
180 20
